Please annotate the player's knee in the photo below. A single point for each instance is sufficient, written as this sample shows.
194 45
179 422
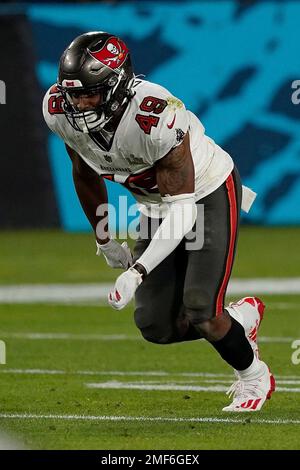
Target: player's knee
215 328
151 330
196 299
156 336
198 305
206 328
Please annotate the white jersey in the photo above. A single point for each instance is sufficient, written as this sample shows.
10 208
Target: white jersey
153 123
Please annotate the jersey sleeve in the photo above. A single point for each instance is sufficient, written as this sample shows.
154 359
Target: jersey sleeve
173 127
165 125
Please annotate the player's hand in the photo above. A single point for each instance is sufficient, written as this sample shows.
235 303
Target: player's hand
116 255
124 288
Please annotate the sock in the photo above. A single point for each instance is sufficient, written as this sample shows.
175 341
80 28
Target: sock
234 348
253 371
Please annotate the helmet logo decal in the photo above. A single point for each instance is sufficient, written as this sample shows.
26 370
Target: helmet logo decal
113 54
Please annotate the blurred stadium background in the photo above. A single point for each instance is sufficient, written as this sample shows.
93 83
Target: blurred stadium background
73 366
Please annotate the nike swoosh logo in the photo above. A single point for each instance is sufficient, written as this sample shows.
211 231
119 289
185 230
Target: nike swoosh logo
172 123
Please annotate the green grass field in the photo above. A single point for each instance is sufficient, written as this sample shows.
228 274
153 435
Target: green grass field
55 352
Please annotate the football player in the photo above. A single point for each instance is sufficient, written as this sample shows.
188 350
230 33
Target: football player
134 132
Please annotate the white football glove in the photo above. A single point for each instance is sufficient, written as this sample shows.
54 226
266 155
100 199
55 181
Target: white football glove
124 288
116 255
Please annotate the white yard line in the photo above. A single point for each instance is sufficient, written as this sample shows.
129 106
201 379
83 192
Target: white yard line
158 419
69 336
110 337
74 293
171 387
276 339
45 293
264 286
206 376
283 305
218 379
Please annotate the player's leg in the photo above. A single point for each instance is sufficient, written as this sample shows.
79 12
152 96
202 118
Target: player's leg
209 268
207 276
249 312
158 300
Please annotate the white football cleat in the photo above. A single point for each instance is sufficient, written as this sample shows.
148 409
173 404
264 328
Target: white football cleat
249 312
251 394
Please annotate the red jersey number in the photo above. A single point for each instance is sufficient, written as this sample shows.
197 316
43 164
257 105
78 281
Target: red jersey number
146 122
150 104
142 183
55 103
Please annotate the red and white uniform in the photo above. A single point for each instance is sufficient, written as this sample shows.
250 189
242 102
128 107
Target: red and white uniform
153 123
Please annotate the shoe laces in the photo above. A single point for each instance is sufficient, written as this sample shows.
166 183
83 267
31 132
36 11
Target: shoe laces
242 389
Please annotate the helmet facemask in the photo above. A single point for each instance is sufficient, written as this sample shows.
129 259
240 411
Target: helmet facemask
114 93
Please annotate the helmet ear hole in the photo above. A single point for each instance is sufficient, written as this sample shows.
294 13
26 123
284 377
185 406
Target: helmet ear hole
112 81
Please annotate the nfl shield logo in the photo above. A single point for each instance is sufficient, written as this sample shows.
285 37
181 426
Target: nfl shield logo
107 158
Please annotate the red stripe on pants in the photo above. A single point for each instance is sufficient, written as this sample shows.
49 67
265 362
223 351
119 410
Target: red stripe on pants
233 230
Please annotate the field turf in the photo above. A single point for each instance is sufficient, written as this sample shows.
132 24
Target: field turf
81 377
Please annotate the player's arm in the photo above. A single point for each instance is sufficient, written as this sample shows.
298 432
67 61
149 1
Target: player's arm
91 191
175 179
175 172
176 182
